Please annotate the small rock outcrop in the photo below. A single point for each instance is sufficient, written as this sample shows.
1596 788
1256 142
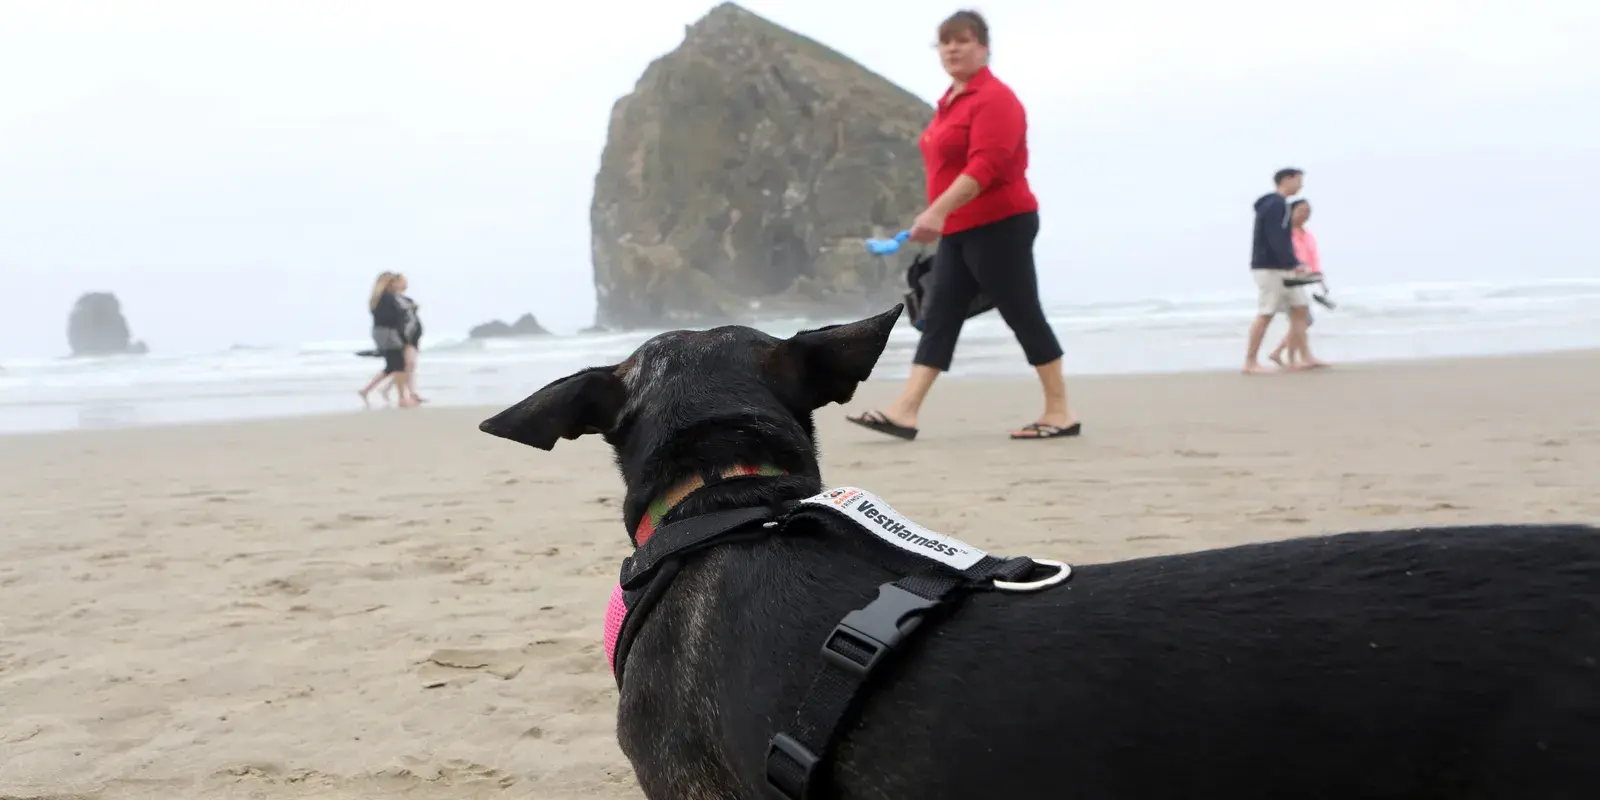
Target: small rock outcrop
742 176
96 327
525 325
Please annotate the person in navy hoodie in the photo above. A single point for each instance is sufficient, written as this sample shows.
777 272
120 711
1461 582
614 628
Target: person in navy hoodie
1271 260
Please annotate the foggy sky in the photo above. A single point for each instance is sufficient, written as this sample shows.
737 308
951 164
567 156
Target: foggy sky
237 172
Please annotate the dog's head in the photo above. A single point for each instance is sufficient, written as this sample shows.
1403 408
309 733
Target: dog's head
687 402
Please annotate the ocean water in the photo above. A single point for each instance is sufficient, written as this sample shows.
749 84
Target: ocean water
1160 334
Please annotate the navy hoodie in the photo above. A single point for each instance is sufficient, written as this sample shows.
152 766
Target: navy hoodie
1272 248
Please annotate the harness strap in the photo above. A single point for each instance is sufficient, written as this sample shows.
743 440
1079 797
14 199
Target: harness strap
648 573
854 650
687 536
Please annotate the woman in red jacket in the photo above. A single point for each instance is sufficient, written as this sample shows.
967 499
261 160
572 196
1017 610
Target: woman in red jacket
985 218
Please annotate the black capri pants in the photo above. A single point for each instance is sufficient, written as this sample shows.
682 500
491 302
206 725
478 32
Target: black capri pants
996 259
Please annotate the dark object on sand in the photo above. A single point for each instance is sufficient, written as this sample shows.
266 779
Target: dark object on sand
1435 662
919 277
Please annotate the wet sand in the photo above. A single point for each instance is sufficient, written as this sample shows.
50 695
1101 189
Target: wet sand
393 604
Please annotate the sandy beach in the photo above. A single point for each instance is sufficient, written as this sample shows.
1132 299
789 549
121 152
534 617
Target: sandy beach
393 604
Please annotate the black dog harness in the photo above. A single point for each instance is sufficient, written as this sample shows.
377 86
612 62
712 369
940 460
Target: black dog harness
939 573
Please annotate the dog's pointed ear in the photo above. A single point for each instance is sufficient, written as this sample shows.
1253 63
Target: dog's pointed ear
585 402
831 361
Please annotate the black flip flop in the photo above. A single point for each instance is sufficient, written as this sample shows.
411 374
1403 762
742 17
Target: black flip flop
876 421
1043 431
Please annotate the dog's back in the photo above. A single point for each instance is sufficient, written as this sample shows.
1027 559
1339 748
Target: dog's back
1457 662
1452 662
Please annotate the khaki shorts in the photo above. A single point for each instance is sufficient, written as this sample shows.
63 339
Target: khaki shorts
1272 297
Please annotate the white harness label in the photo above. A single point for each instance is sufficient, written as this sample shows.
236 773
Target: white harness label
876 517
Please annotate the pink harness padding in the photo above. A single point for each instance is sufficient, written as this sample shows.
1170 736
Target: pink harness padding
616 612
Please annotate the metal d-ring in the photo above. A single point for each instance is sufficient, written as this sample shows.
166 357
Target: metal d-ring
1063 571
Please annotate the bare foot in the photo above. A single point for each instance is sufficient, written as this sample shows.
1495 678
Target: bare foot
1276 359
407 402
1255 369
365 401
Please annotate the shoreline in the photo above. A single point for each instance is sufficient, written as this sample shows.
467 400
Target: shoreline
1578 353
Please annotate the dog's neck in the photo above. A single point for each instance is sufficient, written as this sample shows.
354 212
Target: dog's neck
669 499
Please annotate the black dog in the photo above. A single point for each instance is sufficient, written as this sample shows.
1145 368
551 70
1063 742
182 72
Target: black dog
1434 663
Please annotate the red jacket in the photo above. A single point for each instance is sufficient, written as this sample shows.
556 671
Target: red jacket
982 132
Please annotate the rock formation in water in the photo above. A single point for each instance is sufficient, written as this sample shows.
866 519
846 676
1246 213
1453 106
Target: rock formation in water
742 176
525 325
96 327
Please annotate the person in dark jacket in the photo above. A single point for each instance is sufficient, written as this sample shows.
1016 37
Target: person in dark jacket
1271 260
390 321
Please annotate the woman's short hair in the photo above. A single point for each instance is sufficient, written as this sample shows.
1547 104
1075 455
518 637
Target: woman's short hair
965 20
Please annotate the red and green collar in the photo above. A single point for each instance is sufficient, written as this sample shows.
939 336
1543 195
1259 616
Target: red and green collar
658 508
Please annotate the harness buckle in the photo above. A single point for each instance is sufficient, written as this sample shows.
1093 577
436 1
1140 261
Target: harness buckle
795 787
865 636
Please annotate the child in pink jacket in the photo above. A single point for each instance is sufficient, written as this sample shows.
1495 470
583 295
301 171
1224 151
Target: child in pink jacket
1309 271
1305 245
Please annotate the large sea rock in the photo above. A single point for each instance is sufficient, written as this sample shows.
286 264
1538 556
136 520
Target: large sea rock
741 177
96 327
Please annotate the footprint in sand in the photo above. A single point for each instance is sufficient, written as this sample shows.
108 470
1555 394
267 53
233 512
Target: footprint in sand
293 586
455 666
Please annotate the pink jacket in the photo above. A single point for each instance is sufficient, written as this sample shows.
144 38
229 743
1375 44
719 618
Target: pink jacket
1305 249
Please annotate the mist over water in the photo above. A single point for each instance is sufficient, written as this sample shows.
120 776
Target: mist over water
1158 334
